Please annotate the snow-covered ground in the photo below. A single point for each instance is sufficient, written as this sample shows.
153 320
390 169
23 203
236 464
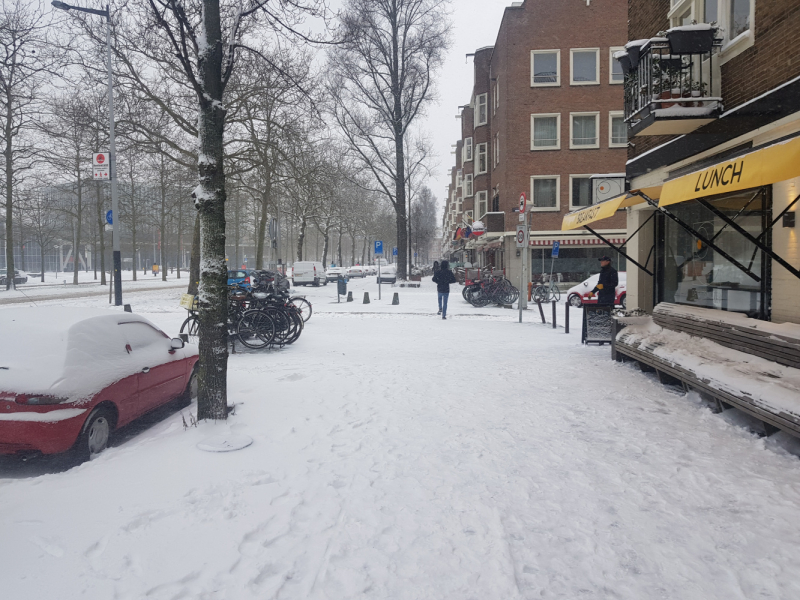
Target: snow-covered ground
399 456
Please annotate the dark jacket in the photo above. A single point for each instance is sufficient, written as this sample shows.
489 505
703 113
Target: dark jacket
443 278
606 287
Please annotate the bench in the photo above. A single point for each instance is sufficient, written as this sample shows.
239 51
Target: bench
729 359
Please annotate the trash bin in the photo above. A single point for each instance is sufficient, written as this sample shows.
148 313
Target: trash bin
342 284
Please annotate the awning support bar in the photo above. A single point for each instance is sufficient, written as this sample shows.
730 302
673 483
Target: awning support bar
779 217
750 238
638 230
618 250
736 216
699 236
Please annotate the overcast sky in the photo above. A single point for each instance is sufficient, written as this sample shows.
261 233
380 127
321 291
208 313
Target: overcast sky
474 25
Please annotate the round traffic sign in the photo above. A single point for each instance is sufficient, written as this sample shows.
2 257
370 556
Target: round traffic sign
101 158
520 236
523 201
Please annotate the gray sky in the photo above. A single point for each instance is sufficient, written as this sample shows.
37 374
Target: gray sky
474 25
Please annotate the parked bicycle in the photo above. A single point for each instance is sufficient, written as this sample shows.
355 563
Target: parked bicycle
546 292
494 289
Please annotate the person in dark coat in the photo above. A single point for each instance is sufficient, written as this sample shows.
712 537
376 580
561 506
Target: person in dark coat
606 288
435 266
443 278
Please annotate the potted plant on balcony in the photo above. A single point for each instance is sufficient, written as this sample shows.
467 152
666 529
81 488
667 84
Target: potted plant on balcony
691 39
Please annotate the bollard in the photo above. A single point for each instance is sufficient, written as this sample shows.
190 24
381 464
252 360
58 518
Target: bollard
366 297
554 314
128 308
350 296
566 317
541 312
396 299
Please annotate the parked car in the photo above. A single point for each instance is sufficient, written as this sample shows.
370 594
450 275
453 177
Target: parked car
356 271
333 273
387 274
240 277
19 277
74 375
577 295
309 273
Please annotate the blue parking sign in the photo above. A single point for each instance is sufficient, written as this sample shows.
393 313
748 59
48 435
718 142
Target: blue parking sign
378 247
556 246
394 251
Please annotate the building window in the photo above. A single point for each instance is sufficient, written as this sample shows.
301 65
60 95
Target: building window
496 95
580 191
459 178
583 130
483 163
545 129
468 185
545 190
734 17
545 68
615 68
585 67
617 130
468 215
496 149
481 203
481 117
467 150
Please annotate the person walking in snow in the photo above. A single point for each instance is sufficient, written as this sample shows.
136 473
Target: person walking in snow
606 287
443 278
435 266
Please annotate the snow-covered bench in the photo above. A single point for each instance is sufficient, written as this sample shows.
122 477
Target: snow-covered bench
734 361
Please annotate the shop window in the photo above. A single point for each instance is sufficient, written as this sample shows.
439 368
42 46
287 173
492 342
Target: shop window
695 274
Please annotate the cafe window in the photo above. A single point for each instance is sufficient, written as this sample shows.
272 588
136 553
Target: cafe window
693 273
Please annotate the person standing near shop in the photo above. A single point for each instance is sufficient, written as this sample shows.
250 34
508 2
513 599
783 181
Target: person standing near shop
443 278
606 288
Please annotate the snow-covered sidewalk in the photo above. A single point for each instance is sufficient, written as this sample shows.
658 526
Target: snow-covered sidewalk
402 456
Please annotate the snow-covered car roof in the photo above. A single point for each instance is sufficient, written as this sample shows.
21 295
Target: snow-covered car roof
72 352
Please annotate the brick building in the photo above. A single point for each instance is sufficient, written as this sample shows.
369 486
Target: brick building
714 163
544 117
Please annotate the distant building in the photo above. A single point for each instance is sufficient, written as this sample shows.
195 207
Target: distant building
545 116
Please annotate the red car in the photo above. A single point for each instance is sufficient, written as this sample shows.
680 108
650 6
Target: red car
70 376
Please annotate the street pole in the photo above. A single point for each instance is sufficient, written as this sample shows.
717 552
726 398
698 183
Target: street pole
523 279
115 228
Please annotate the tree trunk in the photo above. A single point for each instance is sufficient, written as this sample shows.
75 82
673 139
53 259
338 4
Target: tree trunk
364 251
194 261
352 249
9 195
301 236
179 253
339 248
266 196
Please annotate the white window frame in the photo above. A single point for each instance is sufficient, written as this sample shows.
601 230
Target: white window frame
572 52
496 149
468 216
611 62
571 178
481 100
611 116
558 131
481 198
467 153
557 207
731 47
596 116
468 187
558 67
496 100
481 149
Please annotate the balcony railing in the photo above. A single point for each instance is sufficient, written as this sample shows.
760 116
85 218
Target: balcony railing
669 92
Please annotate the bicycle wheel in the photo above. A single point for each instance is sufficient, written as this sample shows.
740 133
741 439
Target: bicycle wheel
303 305
539 294
283 325
255 329
297 327
555 294
191 327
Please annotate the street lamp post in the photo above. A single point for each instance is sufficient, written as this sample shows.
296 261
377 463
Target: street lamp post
112 148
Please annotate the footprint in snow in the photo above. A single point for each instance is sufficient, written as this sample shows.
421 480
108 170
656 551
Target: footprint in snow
48 546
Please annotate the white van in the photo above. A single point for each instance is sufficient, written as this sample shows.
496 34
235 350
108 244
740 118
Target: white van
308 273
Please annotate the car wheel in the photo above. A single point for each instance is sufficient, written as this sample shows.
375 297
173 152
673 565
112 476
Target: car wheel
624 301
95 434
190 393
575 301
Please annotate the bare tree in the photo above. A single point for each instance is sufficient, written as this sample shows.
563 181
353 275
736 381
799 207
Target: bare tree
382 78
40 215
25 64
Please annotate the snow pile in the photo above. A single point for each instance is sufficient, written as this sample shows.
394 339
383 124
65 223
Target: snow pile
766 384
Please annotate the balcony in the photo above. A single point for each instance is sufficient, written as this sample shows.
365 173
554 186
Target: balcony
671 86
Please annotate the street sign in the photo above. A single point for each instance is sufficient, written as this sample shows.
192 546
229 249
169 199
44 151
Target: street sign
556 246
101 166
110 217
378 247
394 251
523 205
521 236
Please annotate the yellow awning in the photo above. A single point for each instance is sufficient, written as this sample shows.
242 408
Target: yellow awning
762 167
596 212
